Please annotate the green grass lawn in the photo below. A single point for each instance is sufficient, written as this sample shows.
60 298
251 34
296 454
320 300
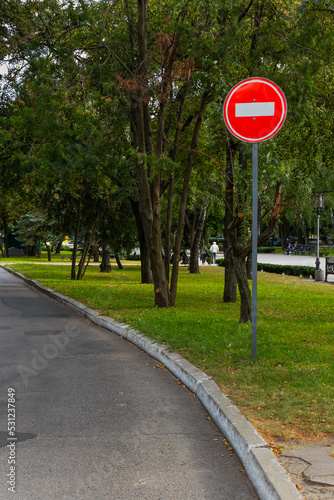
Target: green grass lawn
64 256
287 393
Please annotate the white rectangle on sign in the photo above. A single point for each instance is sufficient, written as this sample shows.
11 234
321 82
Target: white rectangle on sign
243 109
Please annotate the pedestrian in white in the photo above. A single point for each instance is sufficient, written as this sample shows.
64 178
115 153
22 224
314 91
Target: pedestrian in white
214 249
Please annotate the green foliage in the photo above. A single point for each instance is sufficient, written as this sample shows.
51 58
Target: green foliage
133 257
304 271
266 250
32 227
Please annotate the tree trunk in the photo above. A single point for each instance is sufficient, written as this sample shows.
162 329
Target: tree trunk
161 285
48 249
83 257
86 251
249 266
58 247
195 248
150 213
38 249
96 253
184 195
76 238
149 184
168 234
240 253
105 266
192 225
5 234
119 263
244 290
88 260
230 285
146 273
168 244
149 191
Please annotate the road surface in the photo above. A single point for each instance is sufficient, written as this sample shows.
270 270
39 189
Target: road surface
92 417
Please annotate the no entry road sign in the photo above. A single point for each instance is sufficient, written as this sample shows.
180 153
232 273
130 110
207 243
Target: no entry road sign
255 110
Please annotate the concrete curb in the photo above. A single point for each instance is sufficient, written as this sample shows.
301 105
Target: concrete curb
268 477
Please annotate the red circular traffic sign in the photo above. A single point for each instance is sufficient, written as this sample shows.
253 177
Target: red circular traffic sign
255 110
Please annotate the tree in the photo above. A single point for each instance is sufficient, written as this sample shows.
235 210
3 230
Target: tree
112 98
153 84
267 33
31 229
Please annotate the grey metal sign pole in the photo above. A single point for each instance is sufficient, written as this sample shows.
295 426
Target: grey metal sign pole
317 261
254 248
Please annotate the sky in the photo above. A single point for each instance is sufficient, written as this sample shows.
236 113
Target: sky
3 69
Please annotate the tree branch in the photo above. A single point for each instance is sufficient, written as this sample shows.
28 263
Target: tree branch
245 11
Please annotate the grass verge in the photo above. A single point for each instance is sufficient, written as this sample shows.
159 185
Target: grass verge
287 393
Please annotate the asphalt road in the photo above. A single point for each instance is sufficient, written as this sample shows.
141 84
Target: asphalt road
96 418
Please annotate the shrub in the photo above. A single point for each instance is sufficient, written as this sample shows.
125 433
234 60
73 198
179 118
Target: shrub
266 250
133 257
305 271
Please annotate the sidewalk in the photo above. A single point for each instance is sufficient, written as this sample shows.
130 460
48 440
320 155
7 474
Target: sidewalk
311 467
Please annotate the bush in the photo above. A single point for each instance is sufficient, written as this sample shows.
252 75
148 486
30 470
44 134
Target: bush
133 257
305 271
266 250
